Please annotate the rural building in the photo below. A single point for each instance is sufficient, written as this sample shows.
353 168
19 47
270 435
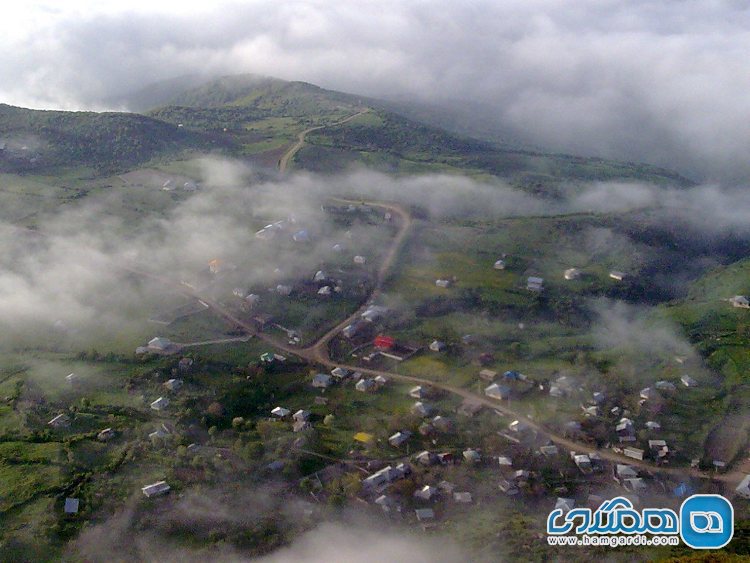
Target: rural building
426 493
301 236
281 412
647 393
71 378
534 283
252 300
572 274
365 385
424 514
300 425
185 364
302 415
598 397
381 380
284 290
617 275
462 497
504 461
472 456
583 463
499 265
173 384
437 346
383 342
443 283
508 487
625 430
426 458
325 291
549 450
160 404
60 421
496 391
399 438
442 423
359 260
565 504
71 506
422 409
418 392
364 438
653 425
354 329
322 381
340 373
488 374
374 313
743 489
665 386
634 453
470 408
740 302
156 489
159 343
105 435
688 381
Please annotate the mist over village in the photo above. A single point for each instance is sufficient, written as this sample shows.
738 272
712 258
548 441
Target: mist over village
302 281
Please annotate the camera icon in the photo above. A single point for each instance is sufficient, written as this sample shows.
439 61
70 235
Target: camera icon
706 521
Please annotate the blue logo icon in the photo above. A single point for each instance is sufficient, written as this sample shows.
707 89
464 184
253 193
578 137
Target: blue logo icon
706 521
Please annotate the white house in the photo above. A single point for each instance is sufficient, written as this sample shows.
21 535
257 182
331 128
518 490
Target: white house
617 275
443 283
740 302
340 373
437 346
173 384
302 415
427 493
325 291
281 412
156 489
496 391
688 381
399 438
499 265
159 343
572 274
60 421
160 404
743 489
365 385
359 260
534 283
418 392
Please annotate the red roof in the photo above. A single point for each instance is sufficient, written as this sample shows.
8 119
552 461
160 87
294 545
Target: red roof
384 342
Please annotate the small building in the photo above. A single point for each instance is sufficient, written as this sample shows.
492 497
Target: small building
445 458
500 392
426 458
508 487
281 412
60 421
252 300
424 514
634 453
366 385
301 236
443 283
470 408
740 302
156 489
185 364
499 265
504 461
565 504
472 456
284 290
418 392
381 380
383 342
617 275
487 374
625 430
549 450
159 343
355 329
442 423
238 292
360 260
325 291
583 463
743 489
688 381
665 386
572 274
426 493
173 384
340 373
534 283
598 397
160 404
623 471
302 415
399 438
422 409
653 425
437 346
659 449
462 497
647 393
105 435
364 438
322 381
71 506
374 313
71 378
300 425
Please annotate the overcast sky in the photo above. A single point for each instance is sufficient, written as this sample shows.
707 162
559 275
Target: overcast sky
661 81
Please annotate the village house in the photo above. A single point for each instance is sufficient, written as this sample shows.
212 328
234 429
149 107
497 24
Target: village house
625 430
665 386
499 265
572 274
424 514
462 497
647 393
442 424
617 275
426 458
653 425
445 458
658 449
340 373
634 453
382 478
419 392
399 438
472 456
284 290
565 504
160 404
508 487
534 283
360 260
185 364
160 432
443 283
688 381
300 425
280 412
549 451
302 415
159 344
583 463
426 493
71 506
381 380
623 471
105 435
598 397
383 342
364 438
355 329
487 374
437 346
238 292
501 392
374 313
156 489
422 409
446 487
366 385
740 302
71 378
426 429
504 462
60 421
743 489
301 236
325 291
322 381
173 384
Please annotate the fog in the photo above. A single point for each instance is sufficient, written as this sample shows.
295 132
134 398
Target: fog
659 82
76 272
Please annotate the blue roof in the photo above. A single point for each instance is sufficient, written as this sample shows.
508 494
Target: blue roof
511 374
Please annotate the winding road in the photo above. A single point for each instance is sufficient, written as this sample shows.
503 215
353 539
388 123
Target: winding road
318 353
294 149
